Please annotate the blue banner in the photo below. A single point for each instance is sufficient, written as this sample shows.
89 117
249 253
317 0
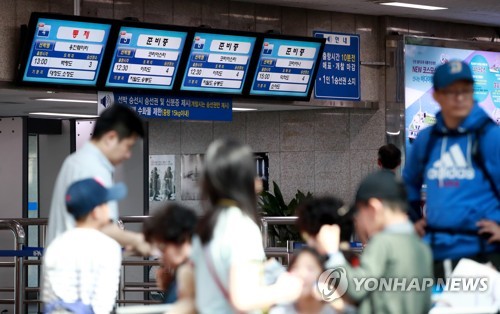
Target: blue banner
25 252
339 74
172 107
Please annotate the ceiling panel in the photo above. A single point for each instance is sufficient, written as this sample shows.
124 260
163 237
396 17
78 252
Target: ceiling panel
482 12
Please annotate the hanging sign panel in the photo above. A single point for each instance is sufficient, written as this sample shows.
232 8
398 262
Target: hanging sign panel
285 68
218 63
170 107
146 58
66 52
339 73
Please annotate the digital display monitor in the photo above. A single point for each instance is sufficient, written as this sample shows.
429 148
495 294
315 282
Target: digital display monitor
218 63
66 52
286 68
420 64
146 58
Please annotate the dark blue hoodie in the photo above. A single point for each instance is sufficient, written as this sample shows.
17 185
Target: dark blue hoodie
458 192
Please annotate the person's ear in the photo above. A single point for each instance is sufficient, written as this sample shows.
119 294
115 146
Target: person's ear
436 95
94 214
379 163
111 137
375 205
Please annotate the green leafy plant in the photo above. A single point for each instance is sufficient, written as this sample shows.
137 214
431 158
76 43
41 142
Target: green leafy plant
274 205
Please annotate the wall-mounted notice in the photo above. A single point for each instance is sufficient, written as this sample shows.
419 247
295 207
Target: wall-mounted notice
66 52
171 107
146 58
161 178
420 64
218 63
339 74
191 169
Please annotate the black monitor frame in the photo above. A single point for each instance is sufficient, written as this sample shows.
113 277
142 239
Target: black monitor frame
113 39
262 38
251 63
28 43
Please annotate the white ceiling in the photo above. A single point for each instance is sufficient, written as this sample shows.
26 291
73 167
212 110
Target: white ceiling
481 12
15 102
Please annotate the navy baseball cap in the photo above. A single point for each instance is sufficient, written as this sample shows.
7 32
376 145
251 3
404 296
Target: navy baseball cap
451 72
85 195
383 185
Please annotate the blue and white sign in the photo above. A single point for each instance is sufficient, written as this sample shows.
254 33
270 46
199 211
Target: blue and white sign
338 75
171 107
218 63
66 52
285 68
146 58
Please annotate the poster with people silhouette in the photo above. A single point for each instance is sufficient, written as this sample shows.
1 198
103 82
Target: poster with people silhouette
161 178
191 166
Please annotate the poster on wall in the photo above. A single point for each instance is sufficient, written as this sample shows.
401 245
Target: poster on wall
420 64
262 167
191 167
161 178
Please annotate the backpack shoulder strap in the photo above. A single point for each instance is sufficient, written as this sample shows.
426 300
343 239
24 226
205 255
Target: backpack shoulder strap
478 157
424 158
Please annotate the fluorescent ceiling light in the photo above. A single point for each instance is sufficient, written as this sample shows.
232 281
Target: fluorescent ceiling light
393 133
413 6
68 100
60 114
243 109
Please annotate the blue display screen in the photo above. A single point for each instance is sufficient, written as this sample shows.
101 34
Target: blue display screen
285 68
218 63
66 52
146 58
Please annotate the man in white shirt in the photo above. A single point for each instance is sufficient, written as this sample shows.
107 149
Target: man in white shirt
81 267
115 132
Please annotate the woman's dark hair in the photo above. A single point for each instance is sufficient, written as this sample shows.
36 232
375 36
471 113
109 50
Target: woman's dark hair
228 174
313 214
173 223
321 259
123 120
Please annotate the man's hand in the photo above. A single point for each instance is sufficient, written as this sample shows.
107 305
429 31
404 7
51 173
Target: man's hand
420 226
489 227
328 239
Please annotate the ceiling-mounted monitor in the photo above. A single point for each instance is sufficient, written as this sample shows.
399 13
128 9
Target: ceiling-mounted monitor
218 63
64 50
146 58
287 68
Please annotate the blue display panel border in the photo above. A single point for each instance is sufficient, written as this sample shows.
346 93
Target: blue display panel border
28 44
257 53
147 26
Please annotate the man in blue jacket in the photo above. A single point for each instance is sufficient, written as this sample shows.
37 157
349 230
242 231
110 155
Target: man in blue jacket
459 161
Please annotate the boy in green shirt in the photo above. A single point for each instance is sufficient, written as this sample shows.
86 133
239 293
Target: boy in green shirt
395 274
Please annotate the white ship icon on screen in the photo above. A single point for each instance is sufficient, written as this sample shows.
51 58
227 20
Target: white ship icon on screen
43 30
